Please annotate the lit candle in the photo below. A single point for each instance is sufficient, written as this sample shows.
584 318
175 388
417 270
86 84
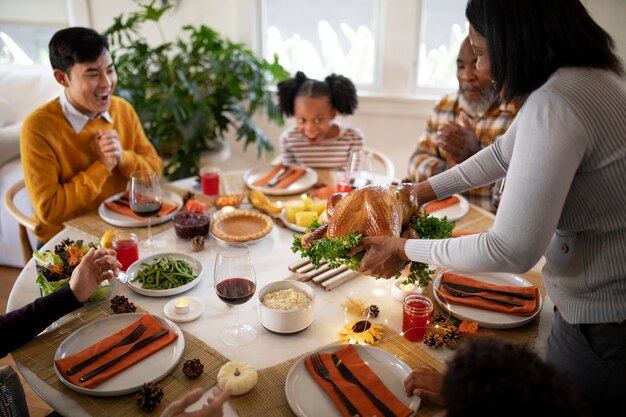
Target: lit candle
181 306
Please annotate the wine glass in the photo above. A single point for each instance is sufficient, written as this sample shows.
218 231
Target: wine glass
496 195
146 200
235 283
360 168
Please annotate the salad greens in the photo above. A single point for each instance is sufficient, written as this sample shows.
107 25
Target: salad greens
54 268
335 250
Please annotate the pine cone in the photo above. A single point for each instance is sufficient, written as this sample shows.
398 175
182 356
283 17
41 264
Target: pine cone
373 311
188 196
433 340
197 243
439 319
453 337
193 368
149 397
120 304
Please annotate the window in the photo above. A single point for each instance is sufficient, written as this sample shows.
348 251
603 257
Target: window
393 47
320 37
25 44
443 27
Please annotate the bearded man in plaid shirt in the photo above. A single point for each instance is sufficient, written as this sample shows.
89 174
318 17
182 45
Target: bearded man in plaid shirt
461 124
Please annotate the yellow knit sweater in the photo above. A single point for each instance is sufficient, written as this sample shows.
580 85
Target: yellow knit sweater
63 176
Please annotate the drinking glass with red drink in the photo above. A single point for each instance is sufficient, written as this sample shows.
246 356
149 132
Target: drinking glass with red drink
416 313
126 247
235 283
210 180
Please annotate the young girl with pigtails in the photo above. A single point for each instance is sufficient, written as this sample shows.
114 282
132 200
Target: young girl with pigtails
318 140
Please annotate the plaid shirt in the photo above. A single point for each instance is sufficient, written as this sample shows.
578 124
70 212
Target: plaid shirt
428 158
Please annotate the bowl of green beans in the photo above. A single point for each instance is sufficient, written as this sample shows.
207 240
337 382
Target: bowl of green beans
164 274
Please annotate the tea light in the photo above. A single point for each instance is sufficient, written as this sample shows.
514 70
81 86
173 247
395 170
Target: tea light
400 290
181 306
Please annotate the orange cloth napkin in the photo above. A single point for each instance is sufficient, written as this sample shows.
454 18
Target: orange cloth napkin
153 327
459 234
289 177
528 309
350 357
122 206
441 204
264 180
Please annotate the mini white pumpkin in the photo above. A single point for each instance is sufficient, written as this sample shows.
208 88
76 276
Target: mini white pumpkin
238 377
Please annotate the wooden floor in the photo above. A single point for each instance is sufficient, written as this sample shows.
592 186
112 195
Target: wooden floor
36 406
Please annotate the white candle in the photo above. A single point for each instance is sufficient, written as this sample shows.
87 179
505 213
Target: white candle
181 306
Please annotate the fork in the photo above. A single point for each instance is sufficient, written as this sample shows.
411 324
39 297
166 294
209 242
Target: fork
321 370
130 338
464 294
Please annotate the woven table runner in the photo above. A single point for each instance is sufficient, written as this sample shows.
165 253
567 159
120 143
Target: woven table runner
268 398
38 356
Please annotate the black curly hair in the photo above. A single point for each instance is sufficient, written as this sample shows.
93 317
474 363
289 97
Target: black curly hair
339 89
489 378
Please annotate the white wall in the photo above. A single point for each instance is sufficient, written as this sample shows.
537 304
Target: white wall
392 120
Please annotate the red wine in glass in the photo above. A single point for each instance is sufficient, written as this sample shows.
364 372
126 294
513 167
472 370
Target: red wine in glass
234 281
235 291
147 208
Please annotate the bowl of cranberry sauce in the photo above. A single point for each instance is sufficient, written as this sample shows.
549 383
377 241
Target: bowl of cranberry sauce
189 225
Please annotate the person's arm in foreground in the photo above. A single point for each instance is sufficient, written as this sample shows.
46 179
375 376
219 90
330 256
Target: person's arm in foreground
22 325
213 407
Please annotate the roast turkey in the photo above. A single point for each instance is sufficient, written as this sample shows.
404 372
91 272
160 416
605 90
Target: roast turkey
375 210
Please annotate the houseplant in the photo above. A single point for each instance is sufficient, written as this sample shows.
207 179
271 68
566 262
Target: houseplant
189 92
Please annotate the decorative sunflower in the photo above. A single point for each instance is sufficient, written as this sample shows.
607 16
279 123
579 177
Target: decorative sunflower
362 332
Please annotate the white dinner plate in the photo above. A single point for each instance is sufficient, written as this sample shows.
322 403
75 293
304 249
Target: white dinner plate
118 219
307 399
151 369
303 183
137 266
455 211
485 318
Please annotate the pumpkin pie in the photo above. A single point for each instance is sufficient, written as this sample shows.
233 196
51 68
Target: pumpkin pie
241 226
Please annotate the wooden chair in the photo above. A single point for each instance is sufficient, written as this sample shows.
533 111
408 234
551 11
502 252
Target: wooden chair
25 223
389 170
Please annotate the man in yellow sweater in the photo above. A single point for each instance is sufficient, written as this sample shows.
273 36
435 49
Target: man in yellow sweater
81 147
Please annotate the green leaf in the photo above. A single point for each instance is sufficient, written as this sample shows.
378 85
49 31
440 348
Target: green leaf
189 92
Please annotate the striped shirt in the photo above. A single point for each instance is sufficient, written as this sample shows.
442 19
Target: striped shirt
565 162
428 159
331 153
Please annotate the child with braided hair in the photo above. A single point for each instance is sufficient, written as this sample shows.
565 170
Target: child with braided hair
318 140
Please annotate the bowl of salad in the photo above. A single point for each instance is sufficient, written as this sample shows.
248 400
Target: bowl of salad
54 268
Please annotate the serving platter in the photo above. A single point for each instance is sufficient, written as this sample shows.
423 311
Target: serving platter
137 266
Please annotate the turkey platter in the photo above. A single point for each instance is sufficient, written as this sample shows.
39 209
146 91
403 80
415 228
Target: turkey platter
375 210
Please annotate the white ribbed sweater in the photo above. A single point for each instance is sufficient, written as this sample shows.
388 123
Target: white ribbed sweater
565 162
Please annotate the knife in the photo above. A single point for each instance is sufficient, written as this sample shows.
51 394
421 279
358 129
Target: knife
349 376
276 177
469 288
135 347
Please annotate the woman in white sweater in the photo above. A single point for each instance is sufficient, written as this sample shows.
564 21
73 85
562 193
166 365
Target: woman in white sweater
564 158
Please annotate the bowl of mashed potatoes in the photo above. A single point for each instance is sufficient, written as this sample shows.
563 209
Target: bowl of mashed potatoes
286 307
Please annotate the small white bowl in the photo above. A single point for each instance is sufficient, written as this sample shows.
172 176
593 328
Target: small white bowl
399 290
286 321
